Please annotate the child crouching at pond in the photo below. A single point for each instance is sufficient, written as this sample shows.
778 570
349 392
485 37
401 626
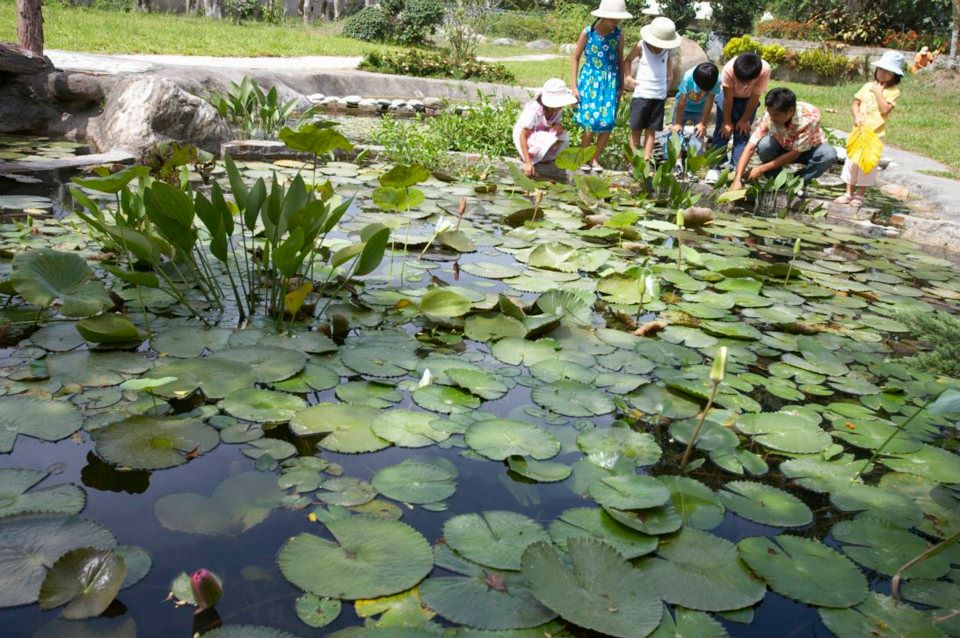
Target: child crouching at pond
538 134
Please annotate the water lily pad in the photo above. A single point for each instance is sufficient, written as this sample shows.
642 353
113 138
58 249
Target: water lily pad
239 503
696 503
498 600
765 504
886 548
406 428
248 631
930 462
316 611
880 503
347 427
42 275
262 406
33 543
445 400
598 590
410 482
573 398
540 471
483 384
373 394
499 438
370 558
798 568
153 443
17 497
494 539
880 615
440 303
652 521
629 492
793 432
698 570
137 561
313 378
593 522
609 447
216 378
269 364
37 418
187 342
86 580
689 624
347 491
820 475
378 361
481 328
94 628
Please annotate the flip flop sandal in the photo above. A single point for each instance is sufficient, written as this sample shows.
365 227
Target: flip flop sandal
596 168
585 168
843 200
856 202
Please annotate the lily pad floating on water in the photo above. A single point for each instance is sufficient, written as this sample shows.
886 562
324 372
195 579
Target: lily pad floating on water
801 569
572 398
371 558
262 406
348 428
406 428
593 522
629 492
696 503
187 342
316 611
880 615
42 276
494 539
378 361
137 561
599 590
239 503
417 483
540 471
216 378
498 600
701 571
689 624
269 364
248 631
445 399
498 439
765 504
153 443
610 447
885 548
17 497
879 503
86 580
38 418
478 382
33 543
794 432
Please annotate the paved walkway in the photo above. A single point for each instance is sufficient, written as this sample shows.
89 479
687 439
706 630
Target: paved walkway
123 64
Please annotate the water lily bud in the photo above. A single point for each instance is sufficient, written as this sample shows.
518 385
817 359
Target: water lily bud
539 197
206 587
680 219
719 368
463 207
796 247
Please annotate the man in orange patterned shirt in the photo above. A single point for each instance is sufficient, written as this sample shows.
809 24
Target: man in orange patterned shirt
789 132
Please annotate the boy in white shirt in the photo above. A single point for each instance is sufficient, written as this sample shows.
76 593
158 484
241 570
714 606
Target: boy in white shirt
650 84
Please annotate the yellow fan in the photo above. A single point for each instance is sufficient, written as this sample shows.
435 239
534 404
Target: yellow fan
864 148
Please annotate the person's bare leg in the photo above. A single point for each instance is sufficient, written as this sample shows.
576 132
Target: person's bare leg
648 141
635 139
602 140
587 139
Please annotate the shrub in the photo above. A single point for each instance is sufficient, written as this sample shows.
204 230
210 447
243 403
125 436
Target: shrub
942 332
401 21
370 24
563 25
824 63
441 64
772 53
411 142
732 17
700 37
791 30
417 20
485 128
241 10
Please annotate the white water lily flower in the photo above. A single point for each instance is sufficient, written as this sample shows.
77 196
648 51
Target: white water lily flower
426 379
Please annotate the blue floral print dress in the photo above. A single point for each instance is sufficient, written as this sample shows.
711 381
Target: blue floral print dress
599 82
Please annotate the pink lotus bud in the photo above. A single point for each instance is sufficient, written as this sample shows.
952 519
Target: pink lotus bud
206 587
463 207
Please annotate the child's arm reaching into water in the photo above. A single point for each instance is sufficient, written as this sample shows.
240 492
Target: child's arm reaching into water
575 63
678 110
701 129
525 152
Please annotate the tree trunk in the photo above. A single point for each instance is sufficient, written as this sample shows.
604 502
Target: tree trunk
143 6
337 6
30 25
211 9
956 30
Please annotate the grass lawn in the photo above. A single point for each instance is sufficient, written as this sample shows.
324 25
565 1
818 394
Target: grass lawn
95 31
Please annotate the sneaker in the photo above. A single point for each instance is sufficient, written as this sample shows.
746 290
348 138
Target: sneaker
713 175
678 169
597 168
585 168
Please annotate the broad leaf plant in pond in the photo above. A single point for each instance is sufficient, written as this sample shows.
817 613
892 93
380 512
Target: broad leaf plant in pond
490 443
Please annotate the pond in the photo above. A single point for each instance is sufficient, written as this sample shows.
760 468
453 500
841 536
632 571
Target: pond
469 437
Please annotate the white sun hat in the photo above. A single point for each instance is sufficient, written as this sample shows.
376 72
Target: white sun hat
613 9
554 94
892 61
661 33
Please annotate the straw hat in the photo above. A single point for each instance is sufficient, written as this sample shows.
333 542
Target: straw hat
890 61
554 94
661 33
613 9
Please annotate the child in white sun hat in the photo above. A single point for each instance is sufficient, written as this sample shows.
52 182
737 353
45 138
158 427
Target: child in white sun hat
538 134
650 83
597 84
871 107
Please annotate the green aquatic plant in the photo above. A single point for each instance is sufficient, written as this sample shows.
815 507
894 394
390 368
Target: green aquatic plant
717 372
796 253
941 330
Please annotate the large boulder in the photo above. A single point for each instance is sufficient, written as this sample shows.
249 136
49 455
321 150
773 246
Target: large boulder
143 111
687 56
20 61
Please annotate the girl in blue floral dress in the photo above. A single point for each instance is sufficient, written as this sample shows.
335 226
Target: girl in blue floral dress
598 82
